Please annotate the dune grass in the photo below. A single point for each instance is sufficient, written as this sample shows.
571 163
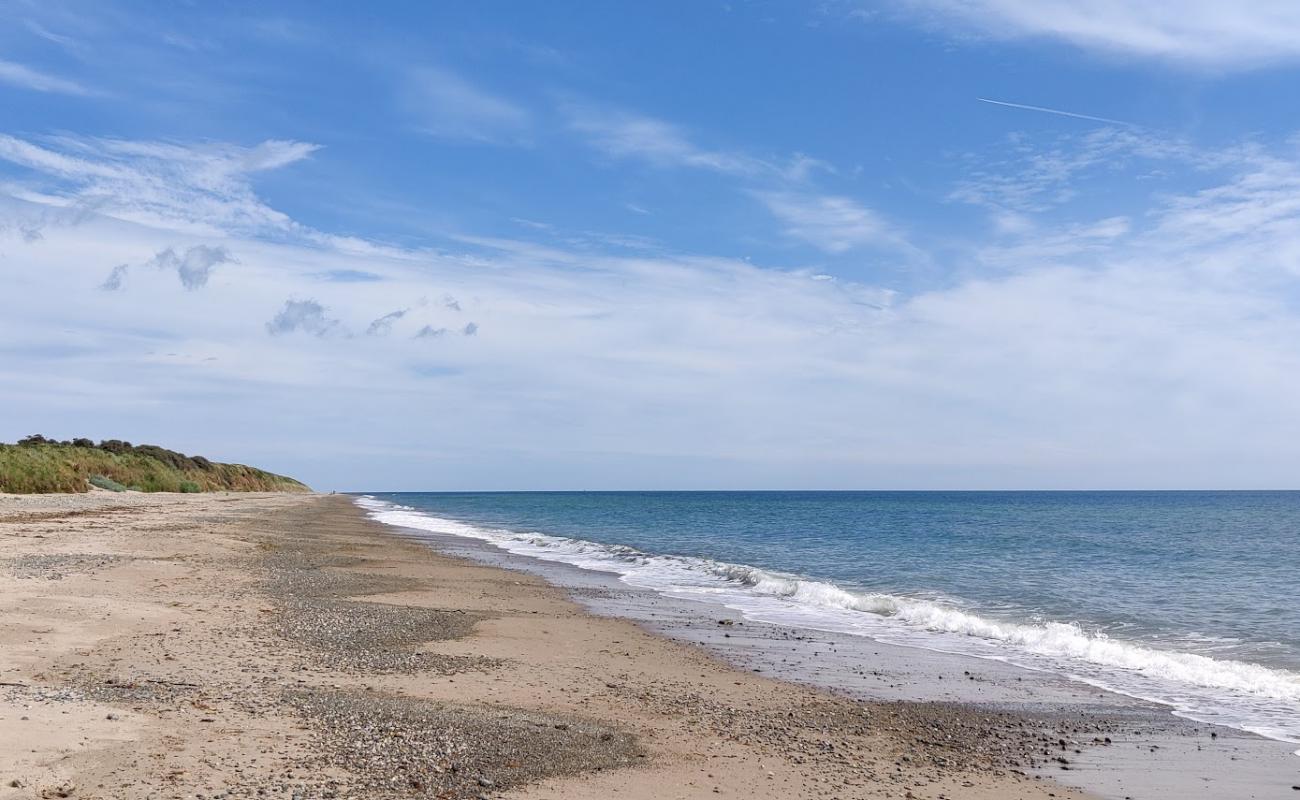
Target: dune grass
100 482
37 465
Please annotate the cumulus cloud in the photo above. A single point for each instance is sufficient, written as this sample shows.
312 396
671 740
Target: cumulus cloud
115 278
383 325
1162 352
307 316
195 266
1206 33
470 329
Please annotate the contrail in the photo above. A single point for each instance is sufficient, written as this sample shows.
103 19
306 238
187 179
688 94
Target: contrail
1057 112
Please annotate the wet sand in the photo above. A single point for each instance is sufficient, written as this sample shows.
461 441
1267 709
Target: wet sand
285 646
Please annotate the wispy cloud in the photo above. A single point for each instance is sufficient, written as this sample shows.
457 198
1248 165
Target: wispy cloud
626 135
1261 205
621 134
25 77
349 276
1057 244
198 188
831 223
1207 33
1035 178
1168 340
448 106
62 40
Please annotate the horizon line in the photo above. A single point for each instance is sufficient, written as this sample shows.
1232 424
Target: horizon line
772 491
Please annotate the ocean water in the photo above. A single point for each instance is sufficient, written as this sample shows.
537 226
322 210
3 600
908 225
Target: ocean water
1186 598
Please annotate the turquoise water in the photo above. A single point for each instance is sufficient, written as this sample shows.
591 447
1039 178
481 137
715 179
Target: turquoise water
1189 598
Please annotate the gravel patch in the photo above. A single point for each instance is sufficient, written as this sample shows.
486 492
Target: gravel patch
124 691
420 747
301 576
877 742
56 566
376 638
356 635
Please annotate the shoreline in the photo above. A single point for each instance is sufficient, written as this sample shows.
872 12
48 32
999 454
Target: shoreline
221 644
1125 654
1156 751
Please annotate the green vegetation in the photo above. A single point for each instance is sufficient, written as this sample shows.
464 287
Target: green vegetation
106 483
37 465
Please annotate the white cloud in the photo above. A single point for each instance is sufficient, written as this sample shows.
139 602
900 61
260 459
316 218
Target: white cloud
830 223
66 42
1260 204
448 106
25 77
621 134
1207 33
1056 245
196 188
1152 357
626 135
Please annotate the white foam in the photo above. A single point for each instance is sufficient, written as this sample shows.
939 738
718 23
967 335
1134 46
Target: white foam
1238 694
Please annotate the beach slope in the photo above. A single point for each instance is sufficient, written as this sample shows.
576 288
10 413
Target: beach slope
247 645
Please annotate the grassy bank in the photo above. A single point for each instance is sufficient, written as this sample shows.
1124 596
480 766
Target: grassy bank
38 465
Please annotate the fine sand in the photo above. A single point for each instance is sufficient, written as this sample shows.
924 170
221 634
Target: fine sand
228 645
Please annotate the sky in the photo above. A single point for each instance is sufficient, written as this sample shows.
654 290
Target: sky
908 244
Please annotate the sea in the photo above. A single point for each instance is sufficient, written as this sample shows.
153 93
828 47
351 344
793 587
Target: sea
1190 599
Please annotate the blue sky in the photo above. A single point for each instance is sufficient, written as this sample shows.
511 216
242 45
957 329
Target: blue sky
671 245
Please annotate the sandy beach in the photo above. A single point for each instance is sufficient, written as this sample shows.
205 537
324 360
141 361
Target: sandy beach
228 645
